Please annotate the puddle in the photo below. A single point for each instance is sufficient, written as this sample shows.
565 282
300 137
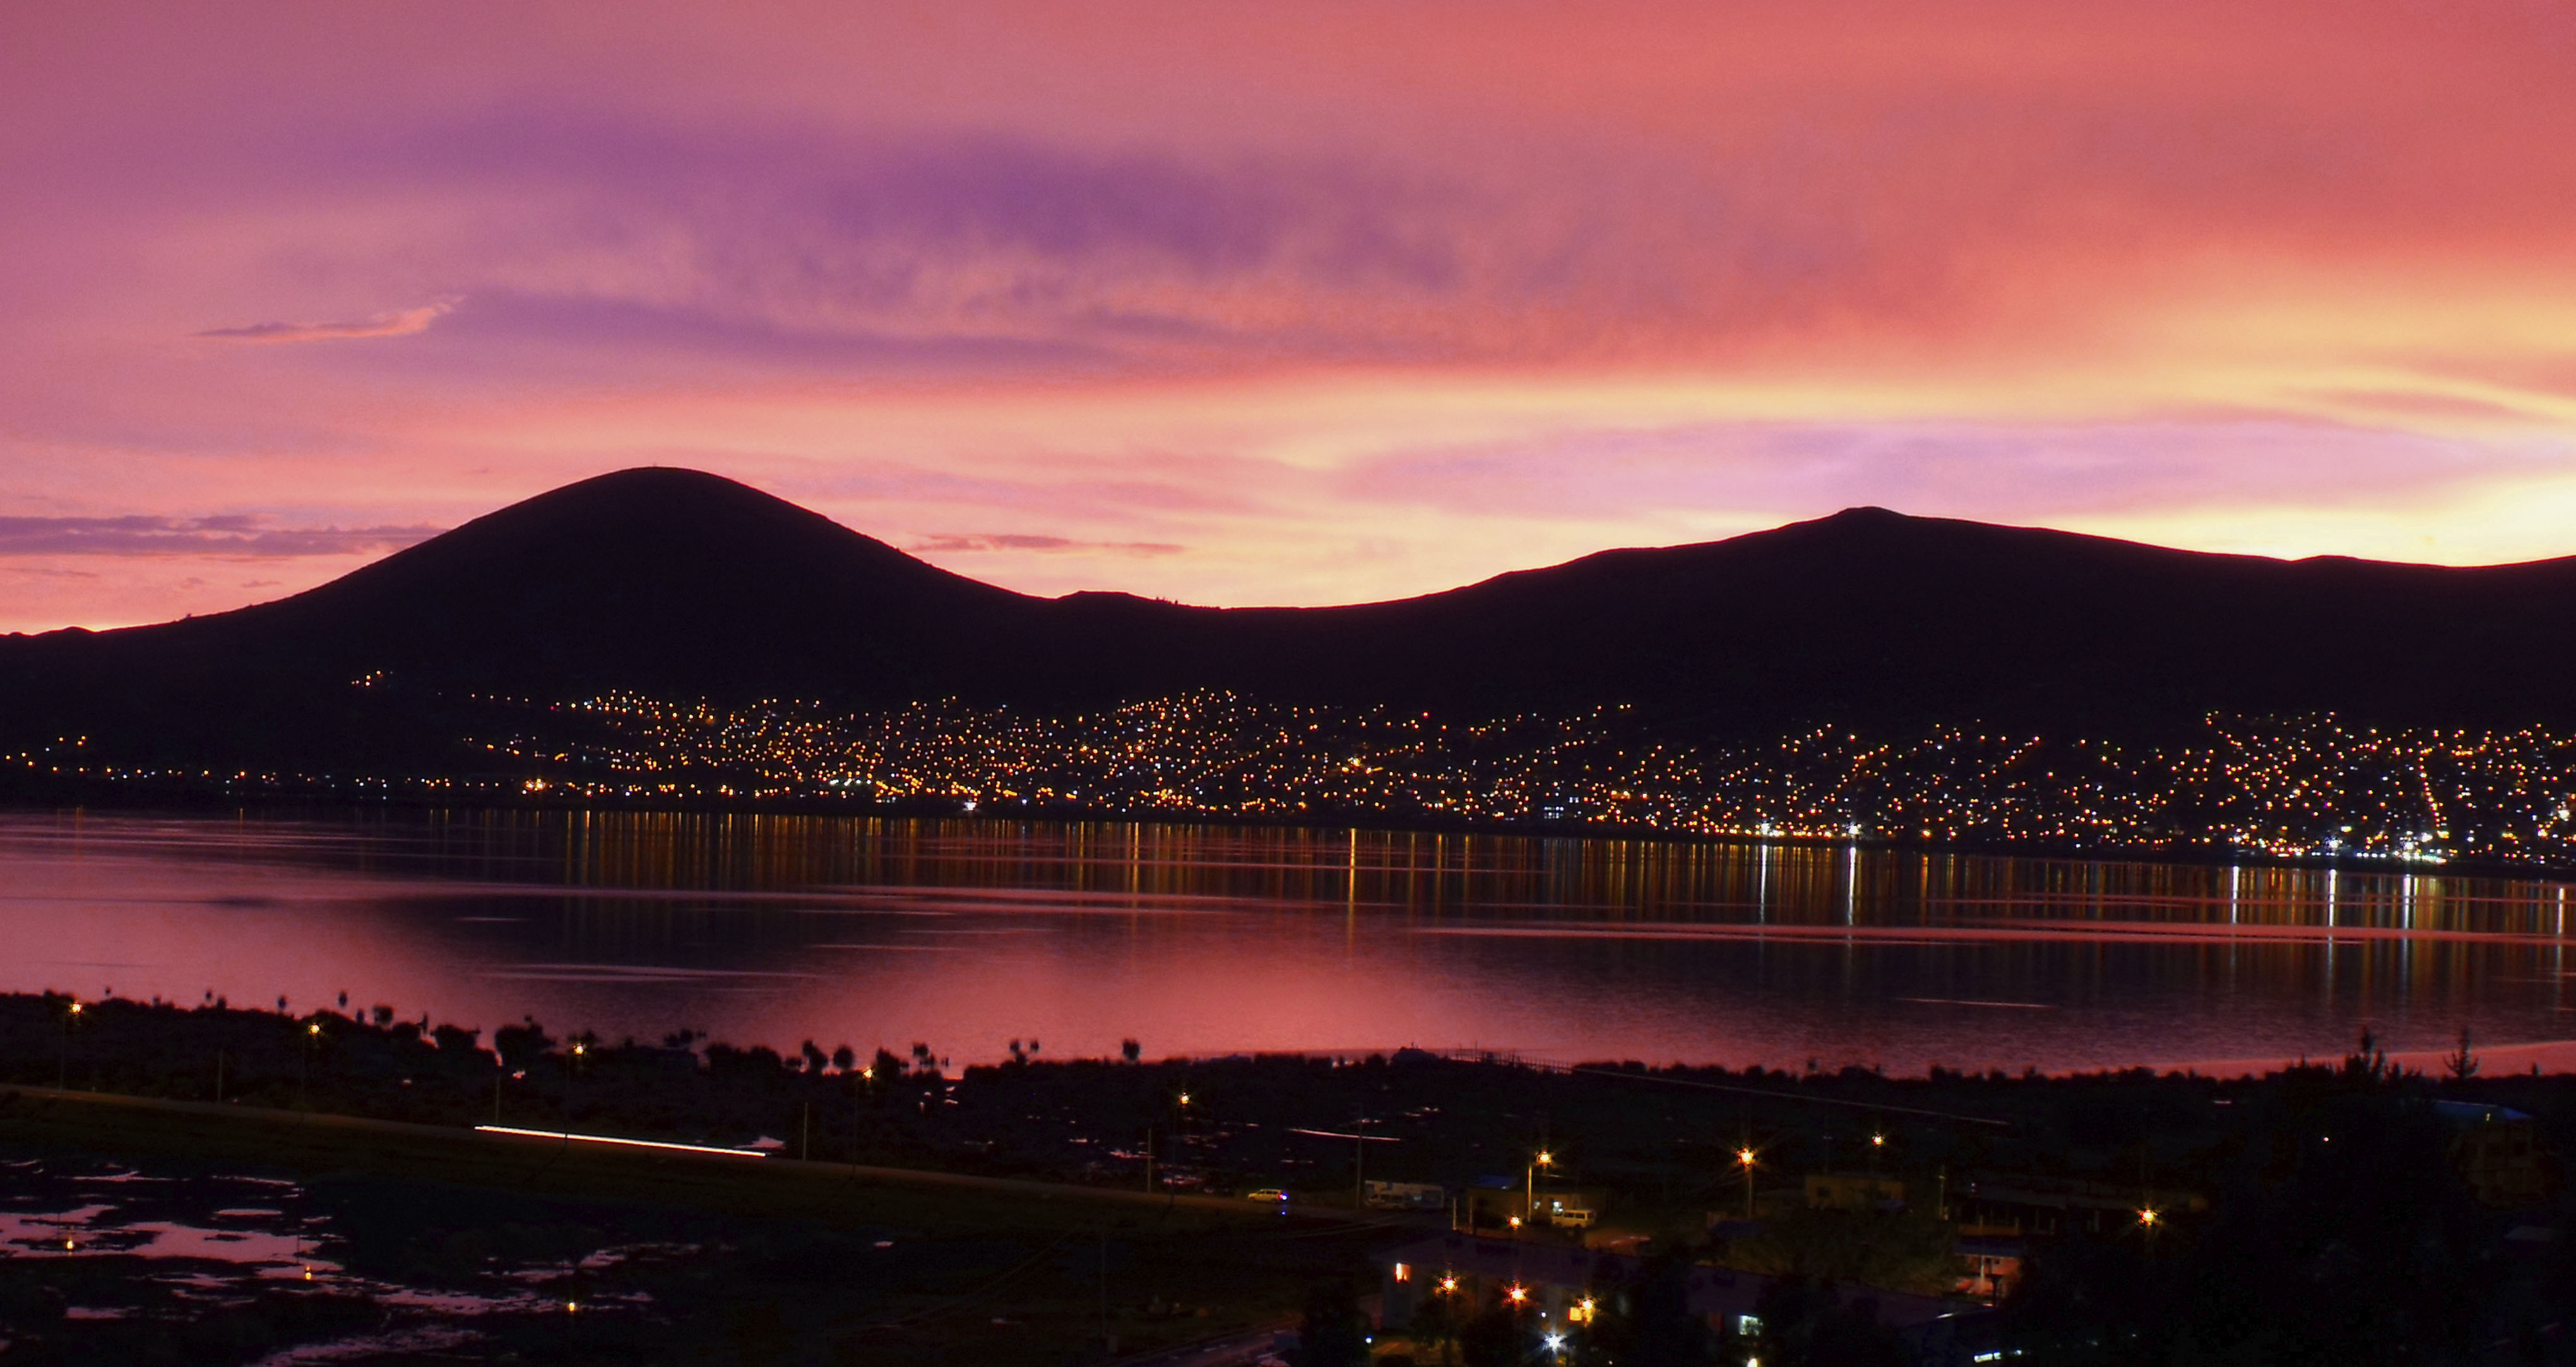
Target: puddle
115 1251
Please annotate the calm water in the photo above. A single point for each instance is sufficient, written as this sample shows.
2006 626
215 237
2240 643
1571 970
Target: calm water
1198 940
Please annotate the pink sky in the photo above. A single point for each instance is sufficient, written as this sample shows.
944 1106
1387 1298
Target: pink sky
1299 304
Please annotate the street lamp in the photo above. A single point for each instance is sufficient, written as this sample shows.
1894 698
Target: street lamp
63 1071
1529 1201
304 1074
1744 1159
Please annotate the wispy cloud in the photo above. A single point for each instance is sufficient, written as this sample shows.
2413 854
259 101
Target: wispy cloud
945 542
233 536
402 323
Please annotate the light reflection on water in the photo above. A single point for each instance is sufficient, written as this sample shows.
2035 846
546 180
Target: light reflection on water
1202 940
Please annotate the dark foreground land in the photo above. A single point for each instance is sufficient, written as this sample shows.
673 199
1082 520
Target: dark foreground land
2346 1213
436 1244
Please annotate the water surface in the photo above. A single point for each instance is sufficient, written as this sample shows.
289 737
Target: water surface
1201 940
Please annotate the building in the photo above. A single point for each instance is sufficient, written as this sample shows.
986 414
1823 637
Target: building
2497 1151
1564 1285
1560 1283
1854 1191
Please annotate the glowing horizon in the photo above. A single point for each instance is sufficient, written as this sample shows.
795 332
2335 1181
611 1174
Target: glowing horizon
1298 307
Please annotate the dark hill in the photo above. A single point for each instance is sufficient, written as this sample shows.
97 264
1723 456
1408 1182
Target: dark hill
684 584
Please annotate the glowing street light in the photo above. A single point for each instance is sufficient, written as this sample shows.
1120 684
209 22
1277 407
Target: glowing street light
1744 1159
304 1072
63 1070
1529 1202
1517 1295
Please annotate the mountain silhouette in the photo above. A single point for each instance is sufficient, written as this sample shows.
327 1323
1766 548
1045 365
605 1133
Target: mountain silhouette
687 585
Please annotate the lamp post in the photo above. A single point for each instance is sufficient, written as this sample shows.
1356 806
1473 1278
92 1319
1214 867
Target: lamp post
1529 1201
1744 1159
1359 1163
572 1075
304 1073
63 1069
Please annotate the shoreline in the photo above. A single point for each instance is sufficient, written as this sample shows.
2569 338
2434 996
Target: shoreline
286 806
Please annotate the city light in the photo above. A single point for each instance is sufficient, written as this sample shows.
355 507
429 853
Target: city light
2295 786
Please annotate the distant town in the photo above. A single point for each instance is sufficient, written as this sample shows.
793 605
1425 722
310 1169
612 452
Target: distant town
2306 786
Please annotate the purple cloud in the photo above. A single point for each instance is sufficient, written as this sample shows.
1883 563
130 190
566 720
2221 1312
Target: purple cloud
944 542
232 536
1948 469
403 323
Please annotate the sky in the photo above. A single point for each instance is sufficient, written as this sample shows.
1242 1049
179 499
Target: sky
1305 303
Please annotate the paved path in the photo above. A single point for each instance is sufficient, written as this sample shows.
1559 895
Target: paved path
769 1169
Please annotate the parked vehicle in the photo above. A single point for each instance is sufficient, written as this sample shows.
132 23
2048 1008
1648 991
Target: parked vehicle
1404 1195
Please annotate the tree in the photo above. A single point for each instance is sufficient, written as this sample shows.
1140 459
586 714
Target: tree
522 1044
1806 1324
1657 1321
2340 1233
884 1071
1434 1329
1332 1333
1494 1338
1130 1050
2461 1065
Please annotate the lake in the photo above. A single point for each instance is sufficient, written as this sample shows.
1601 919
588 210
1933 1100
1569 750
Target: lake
1203 940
